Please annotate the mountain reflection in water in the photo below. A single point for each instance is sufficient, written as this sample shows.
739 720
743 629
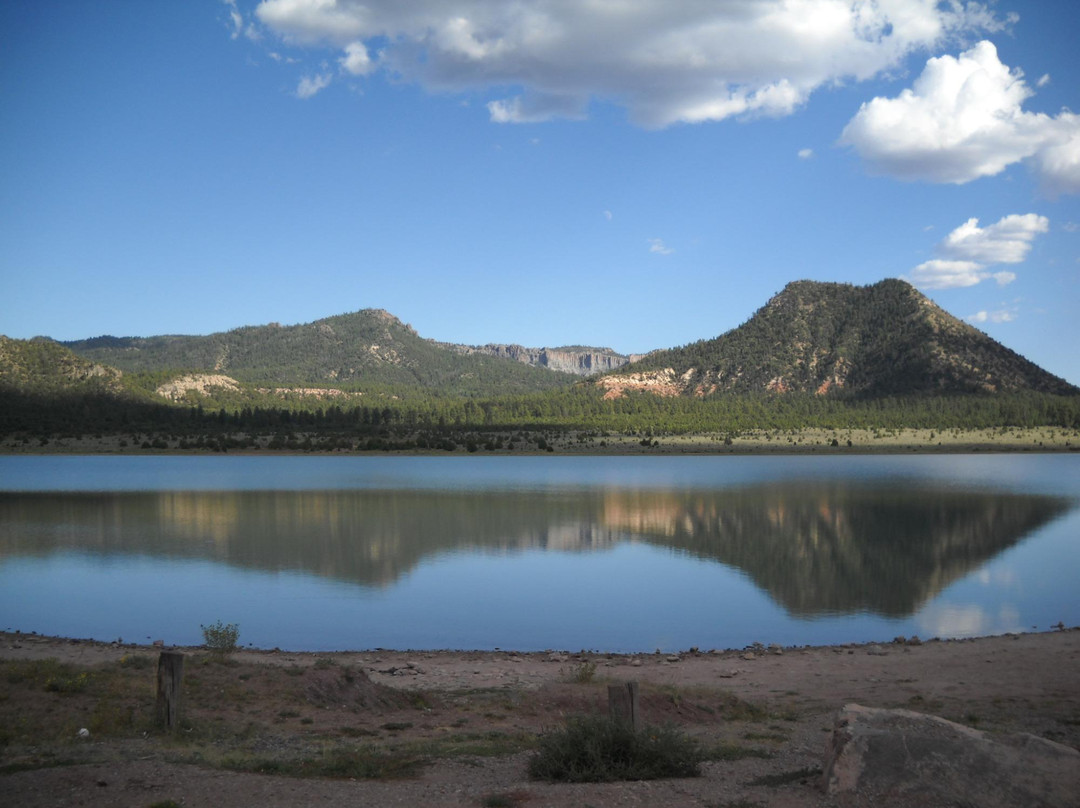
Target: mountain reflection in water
836 548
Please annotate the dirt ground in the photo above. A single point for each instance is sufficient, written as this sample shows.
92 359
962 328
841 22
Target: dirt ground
388 728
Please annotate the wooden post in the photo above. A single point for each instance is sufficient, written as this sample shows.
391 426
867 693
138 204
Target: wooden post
170 676
623 703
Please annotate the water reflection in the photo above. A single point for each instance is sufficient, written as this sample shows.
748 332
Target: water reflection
836 548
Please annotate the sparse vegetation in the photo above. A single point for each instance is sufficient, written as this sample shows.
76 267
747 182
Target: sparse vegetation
596 748
221 638
582 673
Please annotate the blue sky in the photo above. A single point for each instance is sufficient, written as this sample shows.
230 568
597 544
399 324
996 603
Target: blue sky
633 174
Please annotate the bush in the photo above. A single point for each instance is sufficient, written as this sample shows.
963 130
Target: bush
597 749
221 637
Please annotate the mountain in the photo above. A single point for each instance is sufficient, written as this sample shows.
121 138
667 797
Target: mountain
353 351
879 340
577 359
42 366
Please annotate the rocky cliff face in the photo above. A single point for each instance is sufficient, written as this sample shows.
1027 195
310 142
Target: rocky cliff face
580 361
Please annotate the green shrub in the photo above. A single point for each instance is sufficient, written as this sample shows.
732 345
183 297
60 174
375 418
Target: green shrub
221 637
596 749
582 674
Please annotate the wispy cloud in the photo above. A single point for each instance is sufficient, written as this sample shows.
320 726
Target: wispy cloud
962 119
310 85
657 246
237 24
1000 316
806 154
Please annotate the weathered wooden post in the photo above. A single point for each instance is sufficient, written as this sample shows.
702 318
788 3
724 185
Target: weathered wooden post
623 703
170 676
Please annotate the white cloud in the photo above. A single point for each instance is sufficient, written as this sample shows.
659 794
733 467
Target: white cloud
961 120
236 20
1007 242
665 61
1043 81
657 246
310 85
534 108
356 60
1001 316
969 249
939 274
806 154
608 215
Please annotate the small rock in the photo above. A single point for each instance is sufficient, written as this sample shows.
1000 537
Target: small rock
673 658
159 643
84 733
635 662
876 650
731 674
748 656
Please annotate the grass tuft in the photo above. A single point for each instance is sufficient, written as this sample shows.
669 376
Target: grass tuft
597 749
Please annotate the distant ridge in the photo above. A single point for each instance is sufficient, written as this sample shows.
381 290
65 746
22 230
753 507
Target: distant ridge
354 351
886 339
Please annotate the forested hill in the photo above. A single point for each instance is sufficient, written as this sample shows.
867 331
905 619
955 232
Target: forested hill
43 367
353 351
881 340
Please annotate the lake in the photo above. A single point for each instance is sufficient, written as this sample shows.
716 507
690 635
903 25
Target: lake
530 553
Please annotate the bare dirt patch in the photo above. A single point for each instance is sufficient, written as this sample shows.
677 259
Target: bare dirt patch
458 728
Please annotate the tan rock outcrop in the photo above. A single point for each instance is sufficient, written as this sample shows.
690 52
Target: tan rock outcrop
201 383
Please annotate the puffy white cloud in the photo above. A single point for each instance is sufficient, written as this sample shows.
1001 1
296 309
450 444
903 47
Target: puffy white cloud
1058 161
666 61
969 249
657 246
356 60
963 119
806 154
310 85
1007 242
940 274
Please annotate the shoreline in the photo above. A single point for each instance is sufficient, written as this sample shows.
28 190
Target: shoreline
40 644
1003 440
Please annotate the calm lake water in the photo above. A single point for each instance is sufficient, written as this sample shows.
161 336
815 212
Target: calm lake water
533 553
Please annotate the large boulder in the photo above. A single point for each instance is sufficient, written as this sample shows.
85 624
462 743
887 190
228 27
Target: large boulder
907 759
